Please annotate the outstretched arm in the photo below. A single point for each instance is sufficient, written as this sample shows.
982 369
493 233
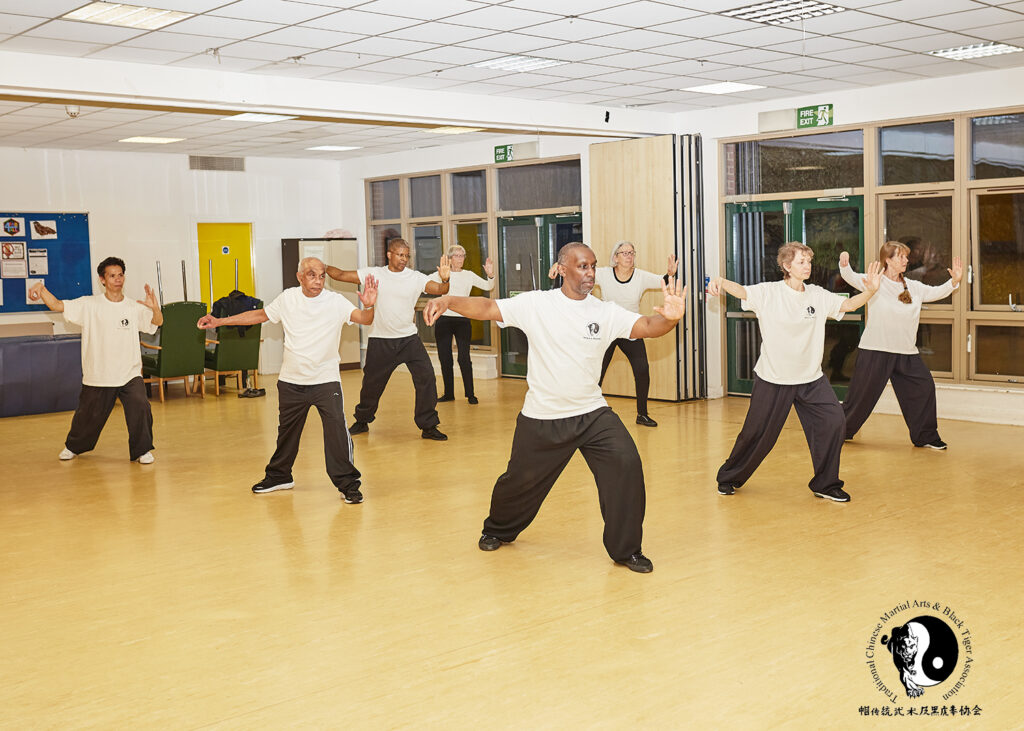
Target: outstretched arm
368 297
872 280
40 292
343 275
475 308
718 285
666 316
444 272
252 317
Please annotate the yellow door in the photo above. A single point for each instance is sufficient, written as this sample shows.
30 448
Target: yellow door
223 244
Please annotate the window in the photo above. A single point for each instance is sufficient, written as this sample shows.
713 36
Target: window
997 146
1000 351
916 153
1000 269
542 186
381 237
807 162
926 226
385 200
935 344
425 196
428 248
469 192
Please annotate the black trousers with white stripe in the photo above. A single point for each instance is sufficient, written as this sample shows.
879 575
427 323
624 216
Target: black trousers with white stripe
636 353
383 356
94 406
294 402
541 448
820 415
911 381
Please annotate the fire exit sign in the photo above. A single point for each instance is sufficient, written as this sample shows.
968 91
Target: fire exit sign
817 116
503 153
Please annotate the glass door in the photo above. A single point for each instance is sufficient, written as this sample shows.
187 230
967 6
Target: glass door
754 233
528 245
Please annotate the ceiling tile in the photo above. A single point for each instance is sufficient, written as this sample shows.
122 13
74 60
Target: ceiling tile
764 36
634 59
515 43
427 82
526 79
501 18
563 7
163 41
139 55
572 29
301 70
972 19
935 42
572 52
361 77
704 26
643 14
307 37
579 70
684 68
888 33
732 73
431 10
698 49
862 54
632 77
262 51
468 73
638 40
404 66
876 78
355 21
270 11
71 30
845 22
439 33
574 85
915 9
204 61
342 59
40 8
381 46
814 45
208 25
11 24
1002 32
29 44
454 55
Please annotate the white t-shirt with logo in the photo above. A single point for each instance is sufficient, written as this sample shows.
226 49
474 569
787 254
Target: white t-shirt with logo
312 334
892 325
626 294
111 355
461 284
567 340
397 294
792 329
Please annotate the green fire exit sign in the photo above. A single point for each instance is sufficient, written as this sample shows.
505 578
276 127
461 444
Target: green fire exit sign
503 153
817 116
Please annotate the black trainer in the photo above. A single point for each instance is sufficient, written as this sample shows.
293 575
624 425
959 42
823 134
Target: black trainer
445 397
489 543
645 420
352 496
267 484
639 563
937 444
359 427
836 494
433 433
473 400
727 489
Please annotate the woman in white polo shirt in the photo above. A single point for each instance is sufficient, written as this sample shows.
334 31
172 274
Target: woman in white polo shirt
888 347
624 284
791 316
452 323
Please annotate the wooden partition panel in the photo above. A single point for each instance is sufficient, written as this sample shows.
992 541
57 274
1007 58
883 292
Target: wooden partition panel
632 197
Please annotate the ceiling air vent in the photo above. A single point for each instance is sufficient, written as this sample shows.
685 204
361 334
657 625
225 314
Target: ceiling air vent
207 162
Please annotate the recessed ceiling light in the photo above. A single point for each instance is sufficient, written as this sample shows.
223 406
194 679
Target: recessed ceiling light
724 87
127 16
978 50
454 130
257 117
783 11
152 140
333 148
518 63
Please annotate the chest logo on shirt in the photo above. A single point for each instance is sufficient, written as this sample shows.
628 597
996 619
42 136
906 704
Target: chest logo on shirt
124 323
592 330
810 313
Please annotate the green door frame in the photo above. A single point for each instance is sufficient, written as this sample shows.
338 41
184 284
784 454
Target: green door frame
794 230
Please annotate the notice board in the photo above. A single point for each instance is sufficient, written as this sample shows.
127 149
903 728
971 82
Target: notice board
53 247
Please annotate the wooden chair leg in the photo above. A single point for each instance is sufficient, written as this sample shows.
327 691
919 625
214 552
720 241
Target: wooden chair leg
255 379
238 381
160 387
201 385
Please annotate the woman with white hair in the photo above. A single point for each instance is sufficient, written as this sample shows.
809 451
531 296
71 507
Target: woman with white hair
624 284
452 324
888 348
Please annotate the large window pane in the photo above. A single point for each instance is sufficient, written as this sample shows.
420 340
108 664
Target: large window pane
547 185
473 238
425 196
469 192
385 200
807 162
999 351
840 356
1001 248
926 226
935 344
916 153
753 247
830 231
382 236
427 248
997 146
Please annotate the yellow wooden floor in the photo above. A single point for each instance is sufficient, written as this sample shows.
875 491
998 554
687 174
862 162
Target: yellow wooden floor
168 596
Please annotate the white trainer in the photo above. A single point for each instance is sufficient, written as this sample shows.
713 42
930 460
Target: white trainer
66 454
147 458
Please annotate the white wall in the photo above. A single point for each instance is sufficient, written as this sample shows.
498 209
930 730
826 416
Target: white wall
969 92
145 207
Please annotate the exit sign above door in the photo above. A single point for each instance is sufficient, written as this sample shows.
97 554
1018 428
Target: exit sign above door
817 116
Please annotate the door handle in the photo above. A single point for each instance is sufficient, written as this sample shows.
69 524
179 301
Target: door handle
1013 307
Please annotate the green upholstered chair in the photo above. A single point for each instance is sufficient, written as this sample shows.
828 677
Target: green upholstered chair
180 353
232 352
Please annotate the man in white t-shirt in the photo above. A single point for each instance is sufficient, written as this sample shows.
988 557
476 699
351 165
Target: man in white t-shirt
394 340
568 332
312 318
791 316
111 360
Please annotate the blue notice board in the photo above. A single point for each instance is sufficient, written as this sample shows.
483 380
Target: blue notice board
53 247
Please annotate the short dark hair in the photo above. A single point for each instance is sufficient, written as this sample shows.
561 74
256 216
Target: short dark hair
110 261
563 253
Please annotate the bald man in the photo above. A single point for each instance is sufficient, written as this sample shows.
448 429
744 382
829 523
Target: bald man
312 318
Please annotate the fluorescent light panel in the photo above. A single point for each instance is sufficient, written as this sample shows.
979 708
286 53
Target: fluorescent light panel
152 140
126 16
978 50
725 87
333 148
783 11
518 63
455 130
257 117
